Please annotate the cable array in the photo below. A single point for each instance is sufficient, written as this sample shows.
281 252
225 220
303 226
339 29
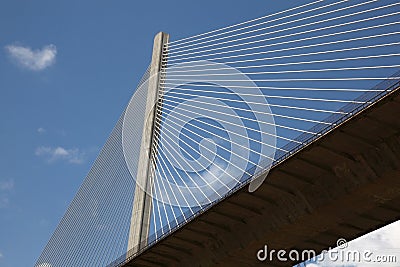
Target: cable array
308 67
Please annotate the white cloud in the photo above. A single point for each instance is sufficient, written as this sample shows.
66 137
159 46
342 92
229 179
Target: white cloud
382 242
33 59
41 130
73 155
5 188
60 152
1 255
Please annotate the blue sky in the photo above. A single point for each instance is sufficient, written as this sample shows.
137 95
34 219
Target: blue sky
67 70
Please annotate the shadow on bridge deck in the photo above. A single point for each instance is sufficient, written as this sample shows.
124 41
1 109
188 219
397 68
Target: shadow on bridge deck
343 185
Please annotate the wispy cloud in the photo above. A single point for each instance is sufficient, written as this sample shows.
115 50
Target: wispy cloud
41 130
28 58
6 186
1 255
73 155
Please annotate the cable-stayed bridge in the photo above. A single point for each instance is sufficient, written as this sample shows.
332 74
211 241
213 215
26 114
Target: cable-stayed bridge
309 94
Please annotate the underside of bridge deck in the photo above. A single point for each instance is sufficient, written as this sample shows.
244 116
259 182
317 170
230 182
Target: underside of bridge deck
343 185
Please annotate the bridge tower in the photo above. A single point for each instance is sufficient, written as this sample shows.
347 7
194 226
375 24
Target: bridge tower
142 203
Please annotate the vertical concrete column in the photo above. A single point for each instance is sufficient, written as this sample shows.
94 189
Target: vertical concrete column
142 203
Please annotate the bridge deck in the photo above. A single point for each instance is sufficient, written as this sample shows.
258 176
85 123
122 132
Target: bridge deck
344 185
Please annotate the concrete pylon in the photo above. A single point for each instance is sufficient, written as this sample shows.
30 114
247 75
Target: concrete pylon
142 203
